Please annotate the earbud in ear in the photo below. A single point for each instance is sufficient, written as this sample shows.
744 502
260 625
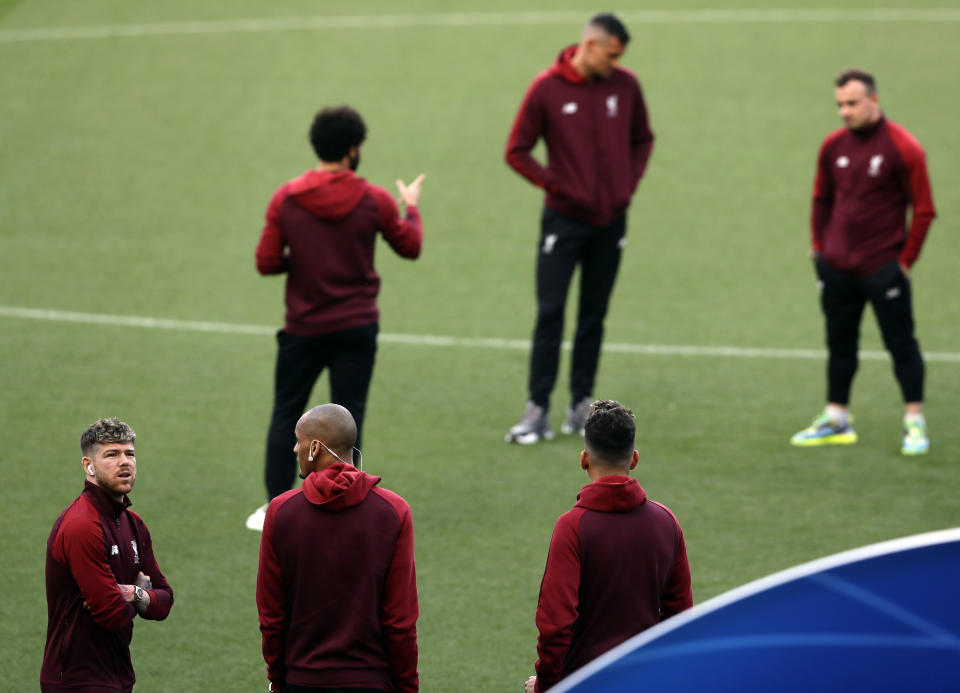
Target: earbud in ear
310 458
90 469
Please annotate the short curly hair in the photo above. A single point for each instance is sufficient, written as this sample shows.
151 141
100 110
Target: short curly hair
102 431
610 431
335 130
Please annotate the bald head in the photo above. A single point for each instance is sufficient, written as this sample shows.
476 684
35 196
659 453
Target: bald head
331 424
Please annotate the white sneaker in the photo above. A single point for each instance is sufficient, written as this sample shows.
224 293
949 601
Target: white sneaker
576 419
533 427
255 521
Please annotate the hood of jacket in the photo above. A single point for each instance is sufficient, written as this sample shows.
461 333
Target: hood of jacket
564 68
328 194
611 494
338 487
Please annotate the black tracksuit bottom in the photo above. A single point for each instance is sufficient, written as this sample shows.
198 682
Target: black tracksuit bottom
565 243
843 297
349 355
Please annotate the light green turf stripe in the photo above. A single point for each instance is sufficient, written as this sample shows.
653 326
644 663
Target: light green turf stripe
472 19
441 340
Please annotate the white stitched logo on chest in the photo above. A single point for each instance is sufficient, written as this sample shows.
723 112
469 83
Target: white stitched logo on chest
875 162
612 106
843 161
114 550
569 108
136 554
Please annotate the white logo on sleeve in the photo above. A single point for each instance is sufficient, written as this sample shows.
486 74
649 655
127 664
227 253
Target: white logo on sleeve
612 106
136 554
875 162
114 550
843 161
569 108
548 243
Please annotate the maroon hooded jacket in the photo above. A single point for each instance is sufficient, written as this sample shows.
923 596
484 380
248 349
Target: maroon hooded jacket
337 585
617 565
96 544
866 180
597 135
320 230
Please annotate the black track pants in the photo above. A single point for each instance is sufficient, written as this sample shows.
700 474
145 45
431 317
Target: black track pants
842 298
349 355
565 243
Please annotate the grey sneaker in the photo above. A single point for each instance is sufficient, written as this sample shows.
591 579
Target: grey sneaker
532 427
577 415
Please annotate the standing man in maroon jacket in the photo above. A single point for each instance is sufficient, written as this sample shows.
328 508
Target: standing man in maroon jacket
101 572
869 174
337 585
592 117
321 230
617 562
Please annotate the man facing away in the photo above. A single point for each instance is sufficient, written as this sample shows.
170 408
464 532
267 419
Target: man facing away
592 117
337 586
101 572
321 231
868 174
617 562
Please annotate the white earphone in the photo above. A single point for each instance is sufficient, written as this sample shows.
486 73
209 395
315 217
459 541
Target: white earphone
90 469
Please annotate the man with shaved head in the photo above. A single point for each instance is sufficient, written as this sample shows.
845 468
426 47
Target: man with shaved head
617 562
591 115
337 585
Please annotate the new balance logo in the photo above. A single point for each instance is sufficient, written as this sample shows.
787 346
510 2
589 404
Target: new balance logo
893 293
569 108
548 243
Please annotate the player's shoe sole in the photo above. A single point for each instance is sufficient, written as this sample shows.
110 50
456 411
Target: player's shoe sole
913 447
528 438
845 438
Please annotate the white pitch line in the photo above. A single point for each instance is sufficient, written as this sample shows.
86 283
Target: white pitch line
470 19
440 340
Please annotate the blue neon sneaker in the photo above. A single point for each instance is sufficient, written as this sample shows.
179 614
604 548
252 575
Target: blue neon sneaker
824 432
915 439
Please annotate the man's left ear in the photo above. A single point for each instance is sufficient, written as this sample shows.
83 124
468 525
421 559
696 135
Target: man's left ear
636 458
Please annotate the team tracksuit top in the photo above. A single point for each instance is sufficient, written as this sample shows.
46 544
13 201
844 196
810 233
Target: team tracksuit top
617 565
866 179
337 586
597 135
320 230
96 544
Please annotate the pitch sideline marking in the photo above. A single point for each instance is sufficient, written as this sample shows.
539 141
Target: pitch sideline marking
440 340
470 19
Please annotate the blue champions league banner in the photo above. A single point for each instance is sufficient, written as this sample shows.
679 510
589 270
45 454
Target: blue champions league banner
884 617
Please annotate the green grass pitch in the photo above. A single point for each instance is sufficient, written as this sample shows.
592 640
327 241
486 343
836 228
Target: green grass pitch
135 168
